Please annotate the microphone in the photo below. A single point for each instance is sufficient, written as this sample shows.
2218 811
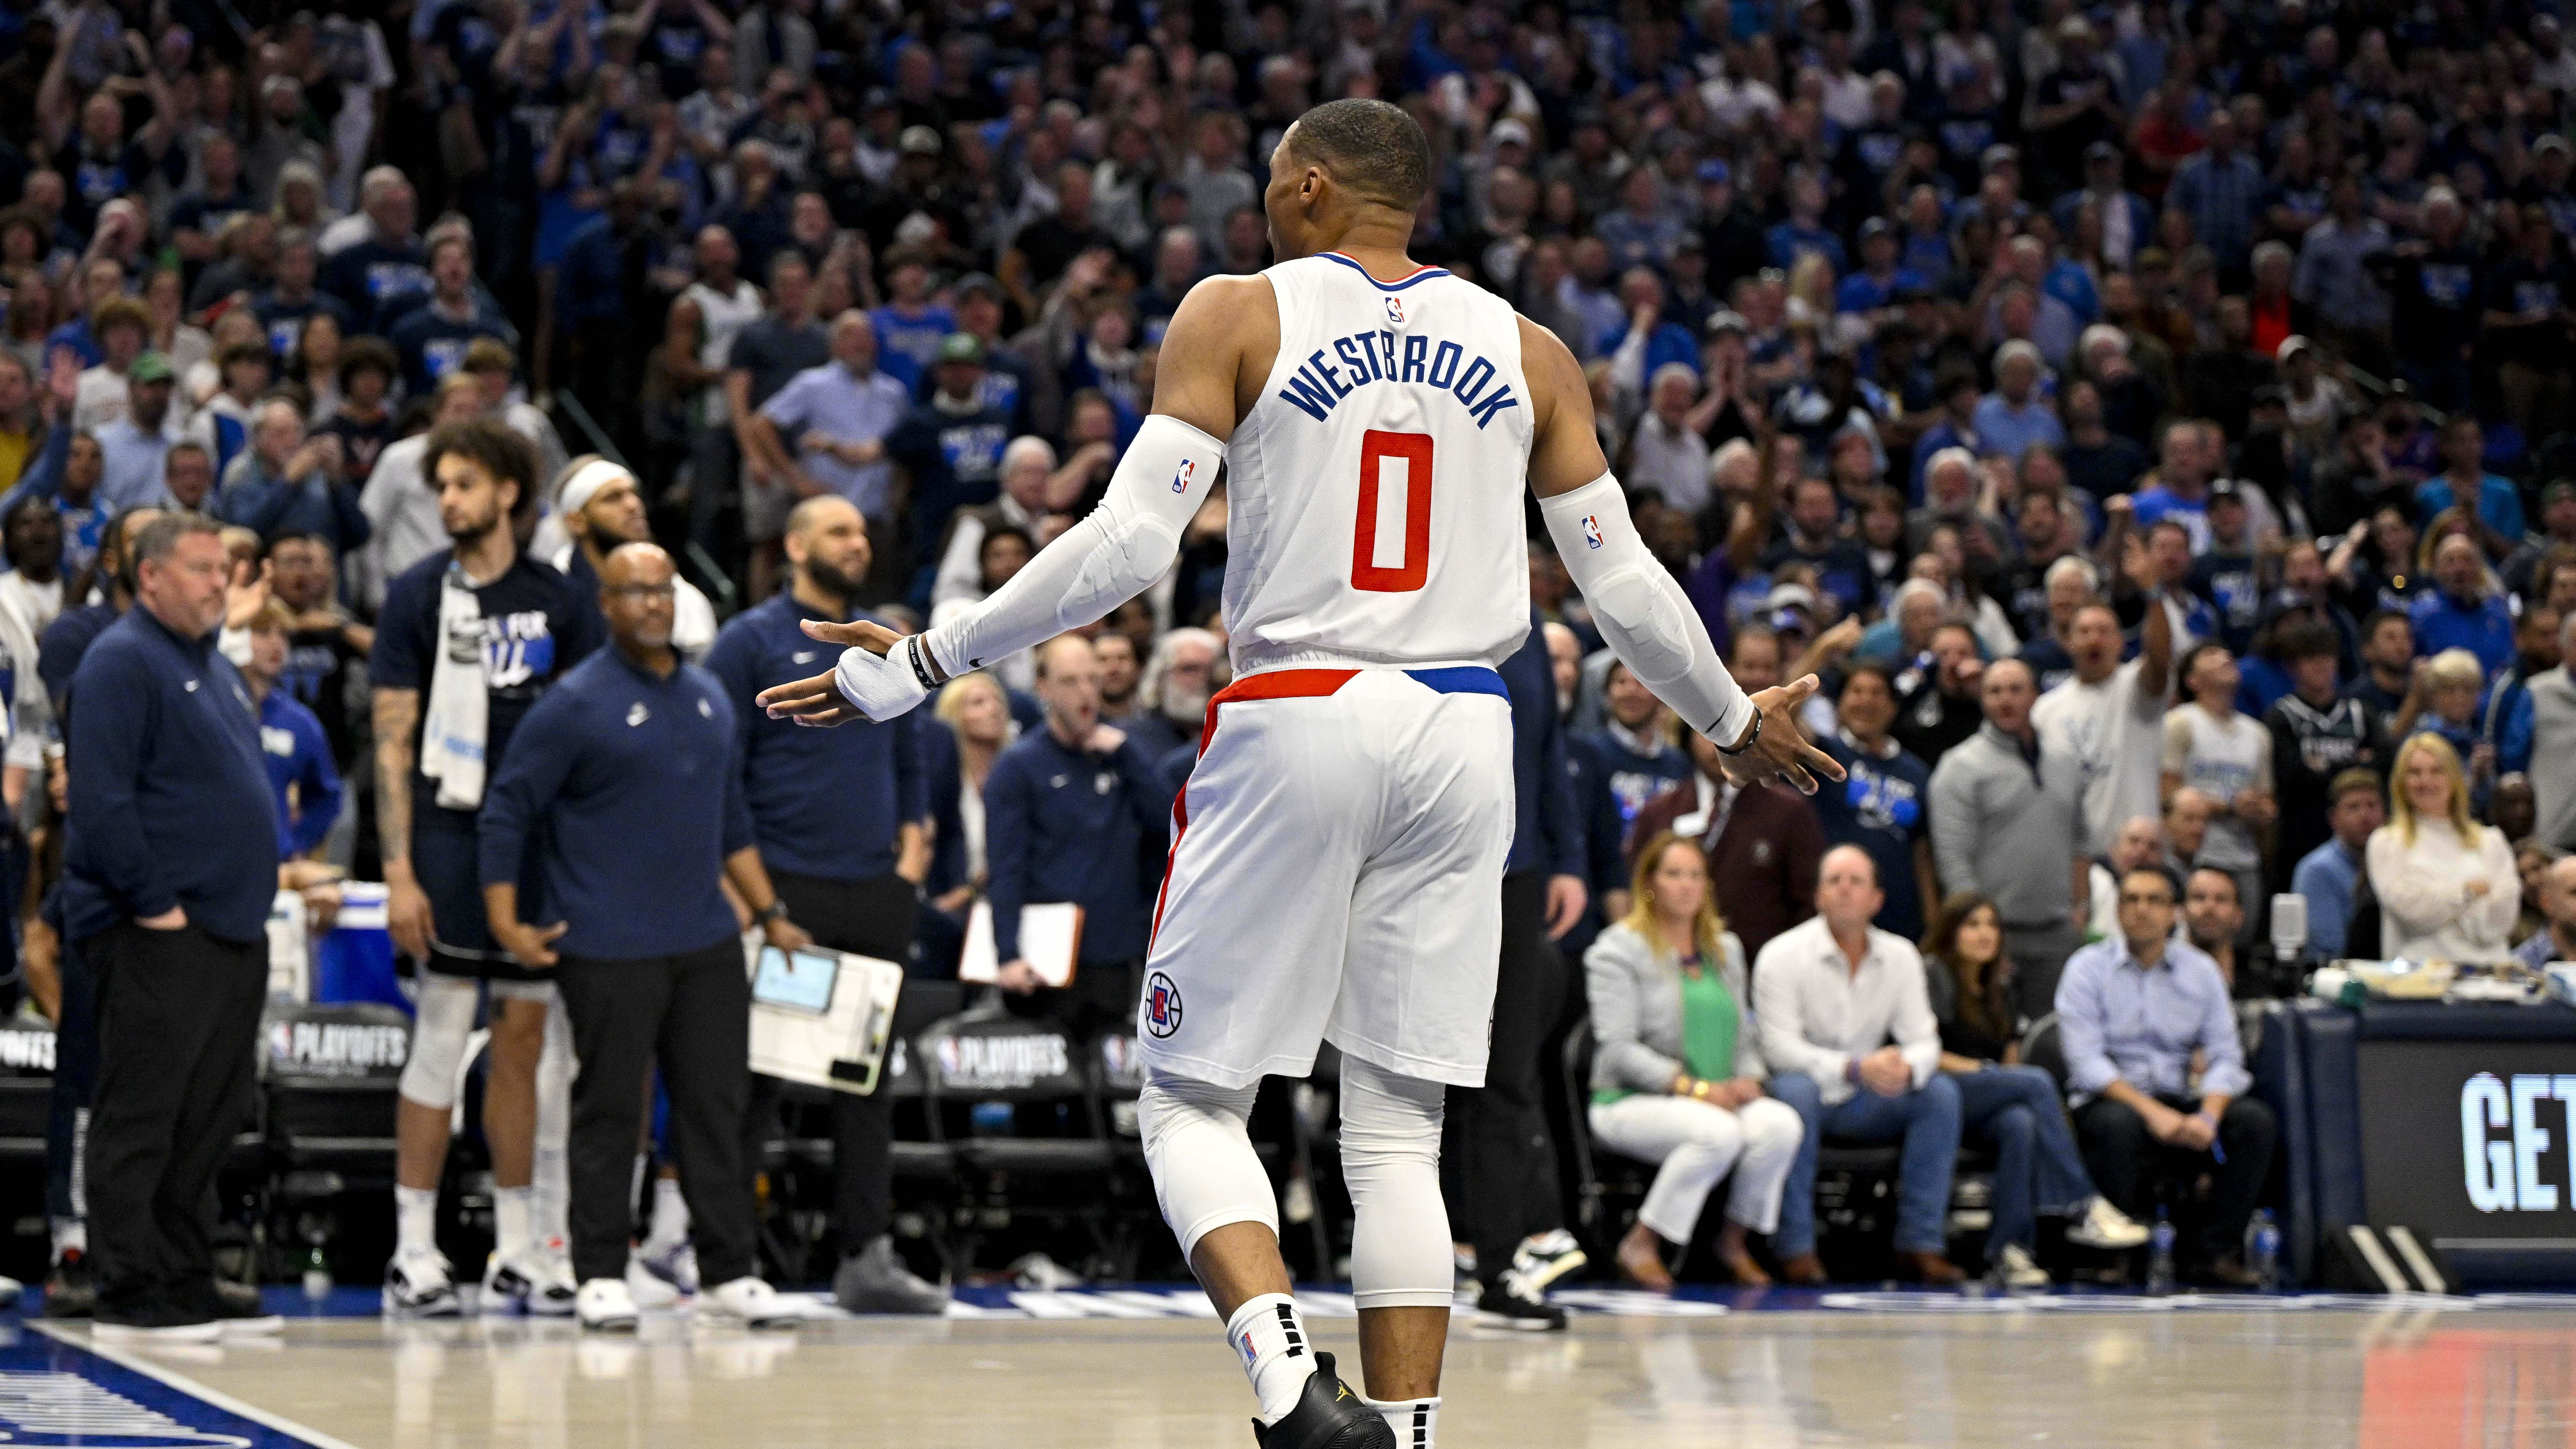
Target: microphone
2289 924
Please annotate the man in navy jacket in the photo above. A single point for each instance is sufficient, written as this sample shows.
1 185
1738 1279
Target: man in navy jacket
848 862
1073 812
622 783
168 881
1505 1158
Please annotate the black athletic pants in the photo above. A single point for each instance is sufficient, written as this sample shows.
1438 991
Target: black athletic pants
1507 1162
75 1079
691 1014
871 917
178 1022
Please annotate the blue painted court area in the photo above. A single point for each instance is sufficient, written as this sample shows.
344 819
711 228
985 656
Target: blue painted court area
57 1393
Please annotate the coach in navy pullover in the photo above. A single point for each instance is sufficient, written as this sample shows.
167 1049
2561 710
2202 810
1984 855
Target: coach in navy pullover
1064 821
850 828
1548 835
632 772
168 786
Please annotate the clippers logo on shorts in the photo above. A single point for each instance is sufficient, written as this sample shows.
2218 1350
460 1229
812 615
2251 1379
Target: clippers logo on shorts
1162 1006
1591 531
1182 475
516 648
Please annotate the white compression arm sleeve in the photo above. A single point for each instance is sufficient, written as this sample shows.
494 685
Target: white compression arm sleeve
1101 562
1644 615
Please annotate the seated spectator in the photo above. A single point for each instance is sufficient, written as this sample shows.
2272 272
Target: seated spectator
2531 860
2013 1109
2186 822
2331 876
2213 916
1763 843
2444 702
1677 1069
2446 884
2556 938
1847 1028
2135 1014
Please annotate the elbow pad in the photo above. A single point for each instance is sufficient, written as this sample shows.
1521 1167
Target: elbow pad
1105 560
1643 614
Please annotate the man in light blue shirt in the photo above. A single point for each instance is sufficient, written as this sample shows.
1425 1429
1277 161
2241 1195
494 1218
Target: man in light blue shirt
2132 1013
137 445
2014 415
2330 875
826 428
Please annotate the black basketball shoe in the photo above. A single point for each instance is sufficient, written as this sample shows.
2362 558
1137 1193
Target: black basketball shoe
1328 1416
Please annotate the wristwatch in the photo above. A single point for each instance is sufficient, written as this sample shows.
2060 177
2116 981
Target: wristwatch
776 910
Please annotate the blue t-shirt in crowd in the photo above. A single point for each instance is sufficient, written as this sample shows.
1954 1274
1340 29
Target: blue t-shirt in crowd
1880 808
300 771
907 341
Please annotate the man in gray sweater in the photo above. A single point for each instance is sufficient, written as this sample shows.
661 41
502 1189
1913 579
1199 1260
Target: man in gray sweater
2008 820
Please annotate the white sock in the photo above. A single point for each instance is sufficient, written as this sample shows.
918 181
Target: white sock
512 1212
416 1219
71 1235
552 1203
670 1214
1414 1421
1270 1338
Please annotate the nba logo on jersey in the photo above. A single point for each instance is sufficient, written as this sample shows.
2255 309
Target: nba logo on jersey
1181 479
1395 310
1591 531
1162 1006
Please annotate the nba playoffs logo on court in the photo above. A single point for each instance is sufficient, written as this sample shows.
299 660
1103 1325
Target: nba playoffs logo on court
1395 310
1591 531
64 1408
1162 1006
1181 476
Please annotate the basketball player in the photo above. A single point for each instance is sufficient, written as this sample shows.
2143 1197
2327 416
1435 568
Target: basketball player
1337 848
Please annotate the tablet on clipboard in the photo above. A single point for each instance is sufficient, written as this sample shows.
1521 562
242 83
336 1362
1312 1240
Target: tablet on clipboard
796 980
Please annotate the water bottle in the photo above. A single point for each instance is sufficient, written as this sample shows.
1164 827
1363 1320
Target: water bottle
2160 1257
317 1274
2263 1250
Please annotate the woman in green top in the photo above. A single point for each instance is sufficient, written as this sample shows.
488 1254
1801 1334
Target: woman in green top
1677 1073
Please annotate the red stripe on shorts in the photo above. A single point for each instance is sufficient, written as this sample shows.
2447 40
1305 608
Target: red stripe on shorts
1277 684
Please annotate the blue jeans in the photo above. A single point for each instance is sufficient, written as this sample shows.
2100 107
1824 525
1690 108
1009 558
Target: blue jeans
1926 1120
2037 1167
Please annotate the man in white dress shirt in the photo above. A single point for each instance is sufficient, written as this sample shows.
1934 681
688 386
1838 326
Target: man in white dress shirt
1848 1029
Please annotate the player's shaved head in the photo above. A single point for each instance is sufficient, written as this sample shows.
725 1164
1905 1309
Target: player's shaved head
1370 148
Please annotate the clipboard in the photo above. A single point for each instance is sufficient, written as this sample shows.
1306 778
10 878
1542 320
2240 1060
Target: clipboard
821 1018
1050 941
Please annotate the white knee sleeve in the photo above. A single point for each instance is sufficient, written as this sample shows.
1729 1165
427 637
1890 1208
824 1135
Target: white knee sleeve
1206 1174
443 1018
1400 1254
555 1068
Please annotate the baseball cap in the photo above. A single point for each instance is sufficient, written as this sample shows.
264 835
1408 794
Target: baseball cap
2550 141
2291 346
1722 322
2101 151
1874 227
1715 172
1509 132
2562 488
979 282
2226 488
1790 596
918 141
1996 155
150 367
961 347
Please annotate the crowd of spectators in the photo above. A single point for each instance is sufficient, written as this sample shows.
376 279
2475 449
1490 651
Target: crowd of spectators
2149 420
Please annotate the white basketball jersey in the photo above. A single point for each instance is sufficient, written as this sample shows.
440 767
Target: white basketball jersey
1374 494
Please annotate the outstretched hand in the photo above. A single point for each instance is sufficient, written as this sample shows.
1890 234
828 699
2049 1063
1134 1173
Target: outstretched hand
820 701
1781 752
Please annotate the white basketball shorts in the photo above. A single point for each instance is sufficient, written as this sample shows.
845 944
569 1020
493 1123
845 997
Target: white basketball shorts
1336 873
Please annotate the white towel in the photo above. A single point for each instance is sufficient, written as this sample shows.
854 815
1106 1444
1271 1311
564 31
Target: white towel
460 707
